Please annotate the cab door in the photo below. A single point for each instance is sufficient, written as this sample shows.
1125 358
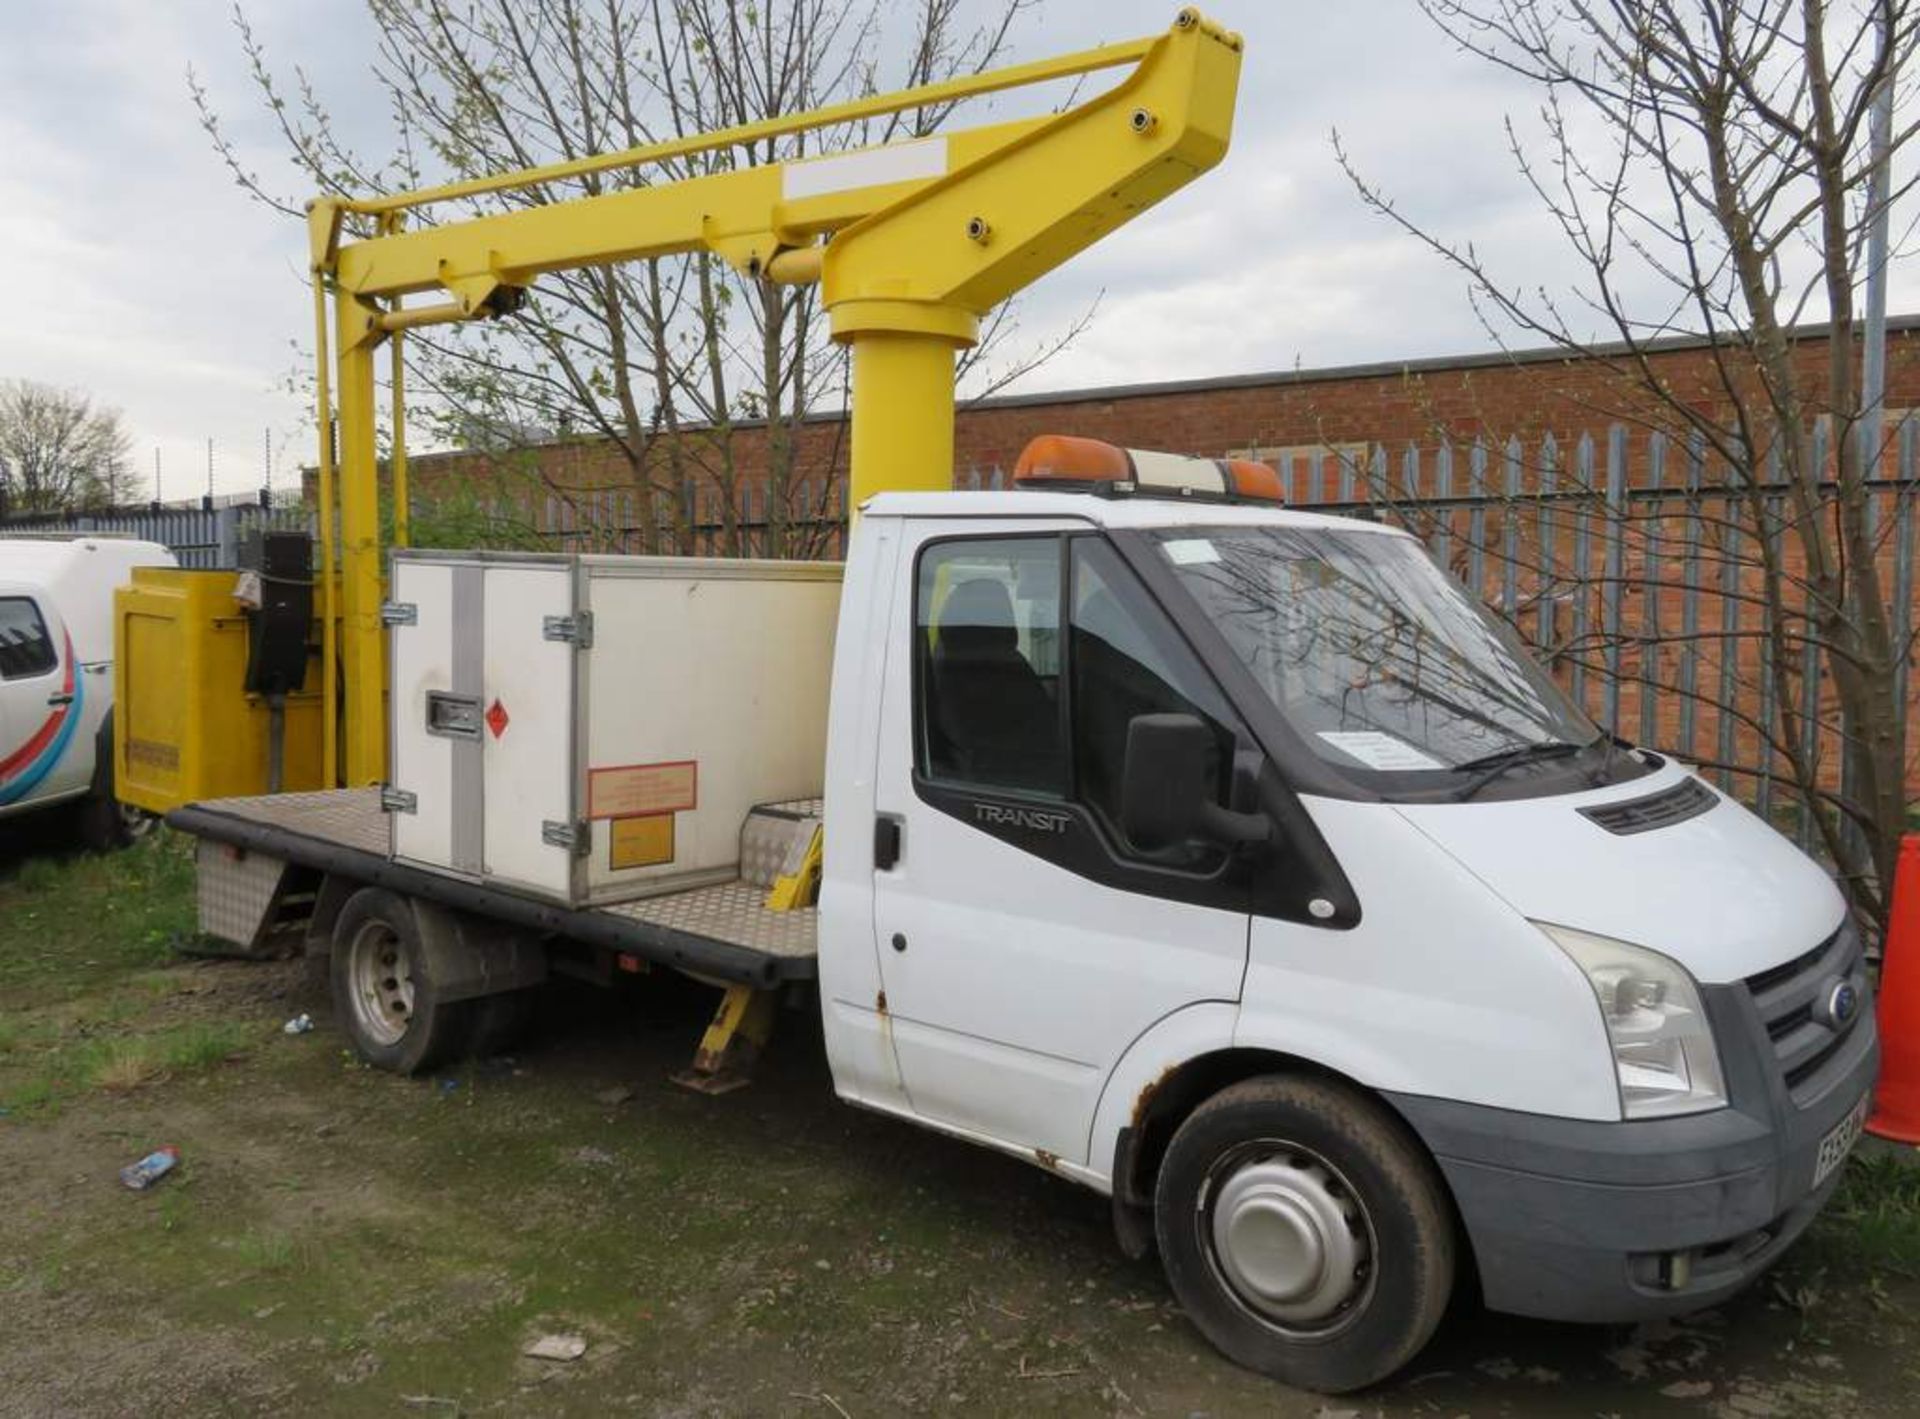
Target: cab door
40 704
1023 944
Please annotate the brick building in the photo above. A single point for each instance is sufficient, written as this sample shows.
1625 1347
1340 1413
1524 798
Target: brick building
1344 409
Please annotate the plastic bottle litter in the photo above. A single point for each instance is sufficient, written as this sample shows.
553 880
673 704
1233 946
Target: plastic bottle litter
298 1025
149 1170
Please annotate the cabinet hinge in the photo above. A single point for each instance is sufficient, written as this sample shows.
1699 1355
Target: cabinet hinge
398 800
399 613
576 837
577 628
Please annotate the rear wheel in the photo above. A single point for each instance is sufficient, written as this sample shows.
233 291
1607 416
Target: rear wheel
1305 1232
384 975
502 1021
105 823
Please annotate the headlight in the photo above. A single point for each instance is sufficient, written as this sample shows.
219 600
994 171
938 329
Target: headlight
1663 1049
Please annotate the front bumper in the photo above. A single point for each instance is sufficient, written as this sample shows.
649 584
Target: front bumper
1613 1222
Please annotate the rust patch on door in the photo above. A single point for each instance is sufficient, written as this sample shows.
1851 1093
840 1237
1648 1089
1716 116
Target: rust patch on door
1049 1161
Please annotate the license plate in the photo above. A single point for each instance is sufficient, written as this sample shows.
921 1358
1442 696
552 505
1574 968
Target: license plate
1839 1141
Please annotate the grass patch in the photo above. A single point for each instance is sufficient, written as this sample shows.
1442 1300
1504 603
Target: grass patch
195 1047
120 1065
264 1251
125 1063
1874 1218
75 922
31 1095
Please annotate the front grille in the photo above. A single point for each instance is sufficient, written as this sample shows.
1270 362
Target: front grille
1791 1000
1687 799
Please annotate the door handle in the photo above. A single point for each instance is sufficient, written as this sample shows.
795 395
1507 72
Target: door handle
62 699
886 843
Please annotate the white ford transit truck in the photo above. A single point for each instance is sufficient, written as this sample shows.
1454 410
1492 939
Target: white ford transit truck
1229 860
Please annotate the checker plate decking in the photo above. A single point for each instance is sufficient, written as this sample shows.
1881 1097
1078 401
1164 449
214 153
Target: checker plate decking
350 817
730 912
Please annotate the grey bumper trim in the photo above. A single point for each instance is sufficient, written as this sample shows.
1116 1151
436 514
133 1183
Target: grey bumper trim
1568 1219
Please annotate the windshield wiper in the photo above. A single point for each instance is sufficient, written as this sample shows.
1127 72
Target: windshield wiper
1491 766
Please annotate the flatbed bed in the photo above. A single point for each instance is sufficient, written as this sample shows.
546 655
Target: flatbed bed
723 931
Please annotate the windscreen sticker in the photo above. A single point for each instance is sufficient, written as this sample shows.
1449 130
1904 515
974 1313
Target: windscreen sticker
1191 551
1378 750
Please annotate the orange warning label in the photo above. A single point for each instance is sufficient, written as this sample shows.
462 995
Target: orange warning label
638 790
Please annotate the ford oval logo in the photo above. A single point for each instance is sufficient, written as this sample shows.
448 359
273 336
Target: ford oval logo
1843 1003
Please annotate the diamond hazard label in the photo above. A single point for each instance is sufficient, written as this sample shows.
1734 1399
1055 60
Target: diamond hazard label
497 718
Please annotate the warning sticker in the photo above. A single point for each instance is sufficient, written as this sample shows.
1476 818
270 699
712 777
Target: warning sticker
635 790
645 841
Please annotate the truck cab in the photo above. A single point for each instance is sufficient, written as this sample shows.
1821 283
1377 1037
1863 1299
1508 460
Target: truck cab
1232 860
56 673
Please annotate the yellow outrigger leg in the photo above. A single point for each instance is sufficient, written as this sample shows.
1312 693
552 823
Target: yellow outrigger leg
733 1041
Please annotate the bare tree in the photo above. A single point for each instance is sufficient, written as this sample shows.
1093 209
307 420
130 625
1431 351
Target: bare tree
1710 165
663 359
59 451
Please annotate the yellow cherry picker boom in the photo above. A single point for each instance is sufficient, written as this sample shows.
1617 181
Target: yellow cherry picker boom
910 243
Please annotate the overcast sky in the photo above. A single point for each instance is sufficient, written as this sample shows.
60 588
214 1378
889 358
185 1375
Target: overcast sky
138 272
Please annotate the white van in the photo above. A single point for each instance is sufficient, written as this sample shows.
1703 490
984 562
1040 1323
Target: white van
56 674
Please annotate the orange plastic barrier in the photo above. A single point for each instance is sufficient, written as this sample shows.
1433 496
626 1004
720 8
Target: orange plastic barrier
1896 1105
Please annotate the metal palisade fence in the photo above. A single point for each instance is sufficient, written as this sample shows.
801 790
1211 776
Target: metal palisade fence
202 538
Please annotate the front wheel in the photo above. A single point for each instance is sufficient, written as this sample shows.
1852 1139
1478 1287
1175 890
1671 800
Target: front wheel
1304 1232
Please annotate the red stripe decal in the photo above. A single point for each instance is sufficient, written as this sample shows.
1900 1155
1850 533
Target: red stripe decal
43 736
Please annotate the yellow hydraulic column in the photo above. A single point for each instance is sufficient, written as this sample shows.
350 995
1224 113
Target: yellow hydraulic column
361 641
402 498
903 415
902 392
329 647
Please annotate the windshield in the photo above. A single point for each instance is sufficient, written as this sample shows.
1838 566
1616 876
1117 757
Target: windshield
1378 660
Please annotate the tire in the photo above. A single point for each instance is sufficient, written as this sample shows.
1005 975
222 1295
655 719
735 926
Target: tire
1305 1232
106 824
383 970
501 1020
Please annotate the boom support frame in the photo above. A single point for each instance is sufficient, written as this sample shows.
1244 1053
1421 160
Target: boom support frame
911 243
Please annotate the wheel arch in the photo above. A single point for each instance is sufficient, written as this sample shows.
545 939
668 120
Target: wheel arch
1162 1105
1159 1108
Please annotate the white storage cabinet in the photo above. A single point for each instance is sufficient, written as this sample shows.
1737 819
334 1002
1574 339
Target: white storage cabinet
592 729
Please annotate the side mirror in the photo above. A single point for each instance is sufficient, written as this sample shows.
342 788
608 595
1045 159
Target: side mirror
1167 790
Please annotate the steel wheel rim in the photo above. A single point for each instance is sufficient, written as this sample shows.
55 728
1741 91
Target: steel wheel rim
1288 1238
380 983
